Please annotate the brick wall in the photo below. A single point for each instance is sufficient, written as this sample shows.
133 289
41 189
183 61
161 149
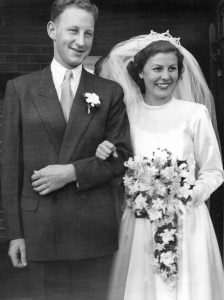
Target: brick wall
2 221
25 45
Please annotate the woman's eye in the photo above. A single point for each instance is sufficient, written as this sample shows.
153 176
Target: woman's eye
172 69
157 69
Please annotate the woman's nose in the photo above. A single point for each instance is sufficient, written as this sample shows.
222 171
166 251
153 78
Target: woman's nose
165 74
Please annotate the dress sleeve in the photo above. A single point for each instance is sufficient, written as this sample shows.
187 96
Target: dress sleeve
210 174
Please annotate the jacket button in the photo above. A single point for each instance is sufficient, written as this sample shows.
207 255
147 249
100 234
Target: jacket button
83 197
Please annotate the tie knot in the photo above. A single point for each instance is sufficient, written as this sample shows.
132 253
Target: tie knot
68 75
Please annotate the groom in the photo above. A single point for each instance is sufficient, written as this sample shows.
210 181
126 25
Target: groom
57 195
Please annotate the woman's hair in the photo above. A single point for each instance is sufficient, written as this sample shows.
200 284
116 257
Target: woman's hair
58 6
98 65
135 67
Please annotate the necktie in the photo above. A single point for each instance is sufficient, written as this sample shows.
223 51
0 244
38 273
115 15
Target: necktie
66 94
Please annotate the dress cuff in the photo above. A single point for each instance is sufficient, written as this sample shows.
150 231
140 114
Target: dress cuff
199 193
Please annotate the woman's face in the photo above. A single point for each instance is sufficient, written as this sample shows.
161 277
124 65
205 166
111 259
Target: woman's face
160 75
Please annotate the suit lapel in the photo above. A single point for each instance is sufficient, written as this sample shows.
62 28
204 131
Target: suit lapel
49 108
79 119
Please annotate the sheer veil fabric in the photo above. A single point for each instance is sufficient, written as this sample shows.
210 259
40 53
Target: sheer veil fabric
191 86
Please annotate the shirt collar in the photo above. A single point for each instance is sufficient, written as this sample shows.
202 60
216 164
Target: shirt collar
58 72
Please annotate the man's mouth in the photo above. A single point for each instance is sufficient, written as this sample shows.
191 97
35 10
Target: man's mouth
78 51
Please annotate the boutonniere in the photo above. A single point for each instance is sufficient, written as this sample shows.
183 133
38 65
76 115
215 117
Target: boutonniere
92 100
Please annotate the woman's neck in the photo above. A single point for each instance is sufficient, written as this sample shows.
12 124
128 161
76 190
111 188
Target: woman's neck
153 101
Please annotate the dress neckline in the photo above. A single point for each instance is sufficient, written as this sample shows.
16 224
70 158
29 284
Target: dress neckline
157 107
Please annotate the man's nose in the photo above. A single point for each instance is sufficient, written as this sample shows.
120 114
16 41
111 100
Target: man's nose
80 40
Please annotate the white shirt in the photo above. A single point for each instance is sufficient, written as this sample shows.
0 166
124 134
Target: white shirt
58 74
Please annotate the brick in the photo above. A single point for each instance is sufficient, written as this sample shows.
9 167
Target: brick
25 40
28 40
22 18
28 49
31 30
16 58
2 232
27 68
2 224
2 215
40 58
26 17
3 235
47 49
21 30
9 30
8 39
8 67
7 49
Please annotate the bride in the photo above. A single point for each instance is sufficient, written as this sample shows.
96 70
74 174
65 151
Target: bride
162 83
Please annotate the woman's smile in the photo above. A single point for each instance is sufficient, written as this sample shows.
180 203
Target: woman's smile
160 75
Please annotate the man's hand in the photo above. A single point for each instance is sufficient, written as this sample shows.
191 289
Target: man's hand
17 253
52 177
105 149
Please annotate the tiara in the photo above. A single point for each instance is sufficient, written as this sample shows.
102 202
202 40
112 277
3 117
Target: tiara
154 37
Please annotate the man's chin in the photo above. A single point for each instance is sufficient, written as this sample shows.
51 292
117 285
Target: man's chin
78 61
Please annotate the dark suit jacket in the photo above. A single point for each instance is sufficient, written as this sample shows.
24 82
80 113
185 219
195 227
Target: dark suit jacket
70 223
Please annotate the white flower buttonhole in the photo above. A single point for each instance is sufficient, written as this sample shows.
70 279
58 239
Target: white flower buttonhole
92 101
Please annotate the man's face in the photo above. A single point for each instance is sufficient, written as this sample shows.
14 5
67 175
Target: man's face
72 33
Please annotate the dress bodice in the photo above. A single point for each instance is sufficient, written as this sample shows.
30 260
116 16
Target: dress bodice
185 129
169 126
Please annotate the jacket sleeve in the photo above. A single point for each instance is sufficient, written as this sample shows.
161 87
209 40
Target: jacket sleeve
93 171
12 163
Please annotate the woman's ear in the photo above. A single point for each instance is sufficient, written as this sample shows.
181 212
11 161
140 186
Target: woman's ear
51 30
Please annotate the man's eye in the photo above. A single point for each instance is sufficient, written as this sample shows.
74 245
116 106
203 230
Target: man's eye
89 34
73 30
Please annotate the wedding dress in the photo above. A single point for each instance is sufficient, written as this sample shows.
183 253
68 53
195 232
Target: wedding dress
185 129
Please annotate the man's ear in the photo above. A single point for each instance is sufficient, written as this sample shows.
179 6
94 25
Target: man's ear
51 30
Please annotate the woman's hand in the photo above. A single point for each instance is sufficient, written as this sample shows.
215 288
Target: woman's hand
105 150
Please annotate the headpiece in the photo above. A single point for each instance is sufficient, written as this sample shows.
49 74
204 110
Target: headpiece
155 37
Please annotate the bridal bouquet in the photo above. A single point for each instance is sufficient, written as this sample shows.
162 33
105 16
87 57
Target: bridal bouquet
159 188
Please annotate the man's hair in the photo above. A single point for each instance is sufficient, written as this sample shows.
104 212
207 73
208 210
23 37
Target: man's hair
58 6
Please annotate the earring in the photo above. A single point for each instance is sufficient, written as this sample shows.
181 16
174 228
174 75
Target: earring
141 76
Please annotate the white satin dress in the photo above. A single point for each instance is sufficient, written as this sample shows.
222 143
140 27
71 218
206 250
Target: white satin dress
185 129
